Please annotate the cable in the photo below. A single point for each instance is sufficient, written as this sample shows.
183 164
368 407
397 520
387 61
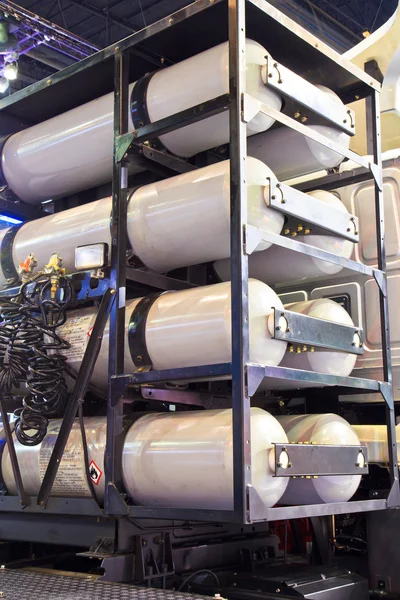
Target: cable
189 577
30 353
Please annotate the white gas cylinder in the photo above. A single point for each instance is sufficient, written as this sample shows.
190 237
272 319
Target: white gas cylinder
291 154
321 361
278 265
320 429
375 438
176 222
184 329
185 460
71 478
73 151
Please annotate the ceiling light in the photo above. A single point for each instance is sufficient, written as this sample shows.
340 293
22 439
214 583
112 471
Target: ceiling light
4 83
10 71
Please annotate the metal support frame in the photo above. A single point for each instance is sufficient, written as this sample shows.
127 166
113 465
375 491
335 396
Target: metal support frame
247 379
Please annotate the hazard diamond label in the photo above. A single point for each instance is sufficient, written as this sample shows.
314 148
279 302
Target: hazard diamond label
95 473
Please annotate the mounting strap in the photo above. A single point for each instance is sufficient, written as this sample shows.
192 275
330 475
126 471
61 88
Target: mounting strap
139 113
137 331
6 254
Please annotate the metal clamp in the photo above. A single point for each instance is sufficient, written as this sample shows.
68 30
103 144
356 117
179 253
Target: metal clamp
137 332
305 94
318 460
310 210
312 332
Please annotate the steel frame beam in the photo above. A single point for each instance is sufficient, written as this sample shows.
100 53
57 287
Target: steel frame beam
246 505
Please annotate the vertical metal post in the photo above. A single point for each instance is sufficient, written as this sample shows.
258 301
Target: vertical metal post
373 130
113 455
239 261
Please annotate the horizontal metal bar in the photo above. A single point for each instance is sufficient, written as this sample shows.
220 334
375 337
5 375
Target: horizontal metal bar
319 510
266 377
335 180
311 331
181 119
255 236
207 372
182 514
309 209
156 280
293 86
305 460
252 107
61 506
321 48
179 165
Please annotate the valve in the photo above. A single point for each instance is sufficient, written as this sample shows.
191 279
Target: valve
26 267
54 269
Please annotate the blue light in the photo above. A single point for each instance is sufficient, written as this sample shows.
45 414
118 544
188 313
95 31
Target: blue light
11 220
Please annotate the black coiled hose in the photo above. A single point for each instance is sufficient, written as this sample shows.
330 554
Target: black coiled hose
30 353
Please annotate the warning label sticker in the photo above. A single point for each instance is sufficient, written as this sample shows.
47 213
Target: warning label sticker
71 478
76 331
95 473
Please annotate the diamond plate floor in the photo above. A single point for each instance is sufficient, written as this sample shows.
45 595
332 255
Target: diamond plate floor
31 585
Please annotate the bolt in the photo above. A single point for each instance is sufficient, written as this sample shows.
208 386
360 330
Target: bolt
356 97
278 465
297 115
116 49
294 234
270 75
300 228
304 348
273 197
307 231
112 292
144 542
170 21
283 201
286 231
304 119
344 120
49 81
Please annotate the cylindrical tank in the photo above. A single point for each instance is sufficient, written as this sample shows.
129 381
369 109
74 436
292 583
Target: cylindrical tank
320 429
291 154
71 477
176 222
185 220
185 460
73 151
375 438
186 328
321 361
279 265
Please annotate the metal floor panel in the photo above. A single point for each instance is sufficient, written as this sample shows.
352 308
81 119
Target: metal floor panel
32 585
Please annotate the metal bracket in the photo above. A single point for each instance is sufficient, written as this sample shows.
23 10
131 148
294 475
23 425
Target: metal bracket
381 281
123 143
254 236
313 332
251 107
318 460
322 216
115 505
303 93
377 175
119 384
385 389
